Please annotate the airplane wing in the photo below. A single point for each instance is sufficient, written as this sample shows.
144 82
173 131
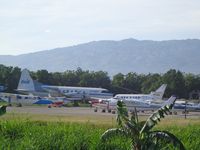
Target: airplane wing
54 90
51 89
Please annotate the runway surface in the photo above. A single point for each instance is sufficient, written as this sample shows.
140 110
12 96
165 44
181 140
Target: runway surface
80 111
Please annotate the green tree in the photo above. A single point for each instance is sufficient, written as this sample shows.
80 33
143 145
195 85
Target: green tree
151 82
175 83
133 82
9 76
70 78
56 78
86 79
118 83
141 134
4 74
101 79
43 76
13 79
118 80
192 82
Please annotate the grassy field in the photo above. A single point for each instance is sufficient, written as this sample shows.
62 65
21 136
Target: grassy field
39 131
25 134
93 119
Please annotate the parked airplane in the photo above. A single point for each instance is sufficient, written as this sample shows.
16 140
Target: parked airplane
143 101
187 106
111 105
156 95
153 96
28 86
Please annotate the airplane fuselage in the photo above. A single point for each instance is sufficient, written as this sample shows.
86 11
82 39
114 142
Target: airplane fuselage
134 97
79 92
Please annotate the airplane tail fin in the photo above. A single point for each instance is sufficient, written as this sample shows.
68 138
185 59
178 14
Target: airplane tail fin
26 82
158 94
171 100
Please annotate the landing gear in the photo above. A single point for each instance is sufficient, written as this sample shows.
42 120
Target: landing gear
19 105
109 110
95 110
113 112
103 111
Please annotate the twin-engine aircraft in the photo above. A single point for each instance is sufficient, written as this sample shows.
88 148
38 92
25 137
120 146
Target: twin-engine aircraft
141 105
151 100
153 96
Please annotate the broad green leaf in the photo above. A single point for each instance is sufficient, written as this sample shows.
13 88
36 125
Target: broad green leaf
155 117
112 133
2 110
167 138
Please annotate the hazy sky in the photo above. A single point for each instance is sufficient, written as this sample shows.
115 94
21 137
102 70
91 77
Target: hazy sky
33 25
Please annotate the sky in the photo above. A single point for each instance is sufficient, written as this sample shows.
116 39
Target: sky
34 25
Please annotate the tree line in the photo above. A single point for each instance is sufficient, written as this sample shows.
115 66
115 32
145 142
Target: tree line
179 83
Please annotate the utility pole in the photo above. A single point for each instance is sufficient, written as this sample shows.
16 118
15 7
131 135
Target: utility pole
185 109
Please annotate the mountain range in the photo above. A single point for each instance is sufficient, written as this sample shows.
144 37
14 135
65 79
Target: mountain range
129 55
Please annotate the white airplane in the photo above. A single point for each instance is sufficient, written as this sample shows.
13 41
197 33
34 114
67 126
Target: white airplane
111 105
144 105
153 96
138 100
28 86
188 106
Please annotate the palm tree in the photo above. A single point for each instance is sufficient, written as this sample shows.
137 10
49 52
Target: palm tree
2 110
140 133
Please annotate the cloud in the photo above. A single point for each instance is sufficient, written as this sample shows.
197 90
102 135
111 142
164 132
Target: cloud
70 22
47 31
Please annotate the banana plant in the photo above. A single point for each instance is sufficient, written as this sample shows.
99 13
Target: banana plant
2 110
140 132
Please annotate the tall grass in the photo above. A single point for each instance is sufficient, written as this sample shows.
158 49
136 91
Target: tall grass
56 135
25 134
189 135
